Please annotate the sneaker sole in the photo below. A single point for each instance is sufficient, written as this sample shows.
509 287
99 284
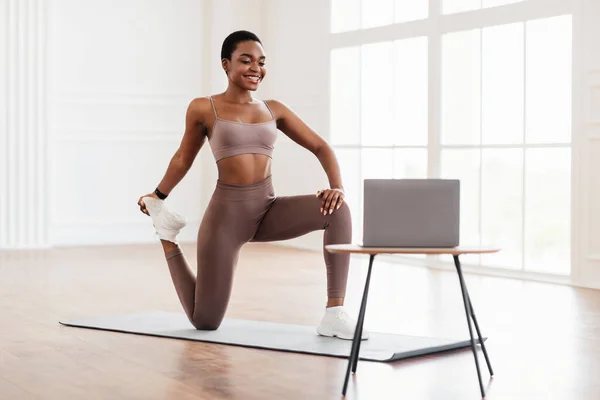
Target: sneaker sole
330 333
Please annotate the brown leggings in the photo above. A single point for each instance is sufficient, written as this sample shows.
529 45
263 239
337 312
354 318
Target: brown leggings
237 214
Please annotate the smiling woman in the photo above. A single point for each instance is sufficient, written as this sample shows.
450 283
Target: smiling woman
242 132
240 51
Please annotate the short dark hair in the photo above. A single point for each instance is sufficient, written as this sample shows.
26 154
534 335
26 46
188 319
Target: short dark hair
230 43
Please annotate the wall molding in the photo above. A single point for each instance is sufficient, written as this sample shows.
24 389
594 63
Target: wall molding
25 151
79 233
88 135
124 98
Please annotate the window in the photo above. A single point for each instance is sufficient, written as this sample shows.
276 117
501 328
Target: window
489 105
350 15
379 118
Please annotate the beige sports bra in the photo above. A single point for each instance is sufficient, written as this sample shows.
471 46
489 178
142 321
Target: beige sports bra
231 138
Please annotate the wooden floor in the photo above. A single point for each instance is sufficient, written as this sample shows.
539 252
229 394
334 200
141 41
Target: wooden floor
544 340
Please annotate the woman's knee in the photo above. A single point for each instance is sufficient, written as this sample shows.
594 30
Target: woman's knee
340 222
208 318
206 324
343 212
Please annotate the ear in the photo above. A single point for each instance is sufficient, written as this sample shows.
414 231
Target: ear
225 64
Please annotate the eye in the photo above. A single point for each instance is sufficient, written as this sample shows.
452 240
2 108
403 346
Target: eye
262 64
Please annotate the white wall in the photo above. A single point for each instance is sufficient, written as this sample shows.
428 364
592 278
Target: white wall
118 76
119 85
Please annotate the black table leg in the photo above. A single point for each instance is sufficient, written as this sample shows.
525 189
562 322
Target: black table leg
485 354
469 313
361 316
353 359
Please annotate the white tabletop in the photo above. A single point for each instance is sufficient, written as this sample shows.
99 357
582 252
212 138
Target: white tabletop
355 248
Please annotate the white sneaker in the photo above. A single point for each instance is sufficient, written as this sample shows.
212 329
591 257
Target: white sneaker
167 223
337 323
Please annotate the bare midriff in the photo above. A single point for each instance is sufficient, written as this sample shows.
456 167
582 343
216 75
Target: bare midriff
244 169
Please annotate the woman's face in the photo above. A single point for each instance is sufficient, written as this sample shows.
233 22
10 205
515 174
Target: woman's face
247 66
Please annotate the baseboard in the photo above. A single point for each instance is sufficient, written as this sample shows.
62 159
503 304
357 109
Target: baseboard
95 233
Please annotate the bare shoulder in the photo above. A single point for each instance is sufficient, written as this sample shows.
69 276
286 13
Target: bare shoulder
279 108
199 109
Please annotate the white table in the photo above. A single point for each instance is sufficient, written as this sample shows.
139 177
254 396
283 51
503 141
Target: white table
470 314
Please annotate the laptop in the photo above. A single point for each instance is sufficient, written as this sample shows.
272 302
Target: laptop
413 213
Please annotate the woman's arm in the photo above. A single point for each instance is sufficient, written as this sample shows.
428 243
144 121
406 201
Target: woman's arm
297 130
191 143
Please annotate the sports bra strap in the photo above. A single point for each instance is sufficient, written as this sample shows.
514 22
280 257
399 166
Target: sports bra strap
213 106
272 115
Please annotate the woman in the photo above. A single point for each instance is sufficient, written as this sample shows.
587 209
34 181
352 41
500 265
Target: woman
243 208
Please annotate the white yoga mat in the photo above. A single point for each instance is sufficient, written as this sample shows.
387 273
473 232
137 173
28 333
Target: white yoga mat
381 347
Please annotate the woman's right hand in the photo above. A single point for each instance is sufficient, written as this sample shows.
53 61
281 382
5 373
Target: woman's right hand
141 202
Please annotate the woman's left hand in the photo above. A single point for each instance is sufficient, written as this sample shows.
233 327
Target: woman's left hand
332 200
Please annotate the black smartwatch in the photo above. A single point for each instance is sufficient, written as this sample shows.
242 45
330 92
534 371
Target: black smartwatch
160 194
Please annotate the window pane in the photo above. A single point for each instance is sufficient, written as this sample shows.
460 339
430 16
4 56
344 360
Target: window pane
465 166
461 71
377 163
377 13
345 15
411 10
501 206
345 96
502 84
377 102
410 83
548 80
349 160
456 6
548 210
410 163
